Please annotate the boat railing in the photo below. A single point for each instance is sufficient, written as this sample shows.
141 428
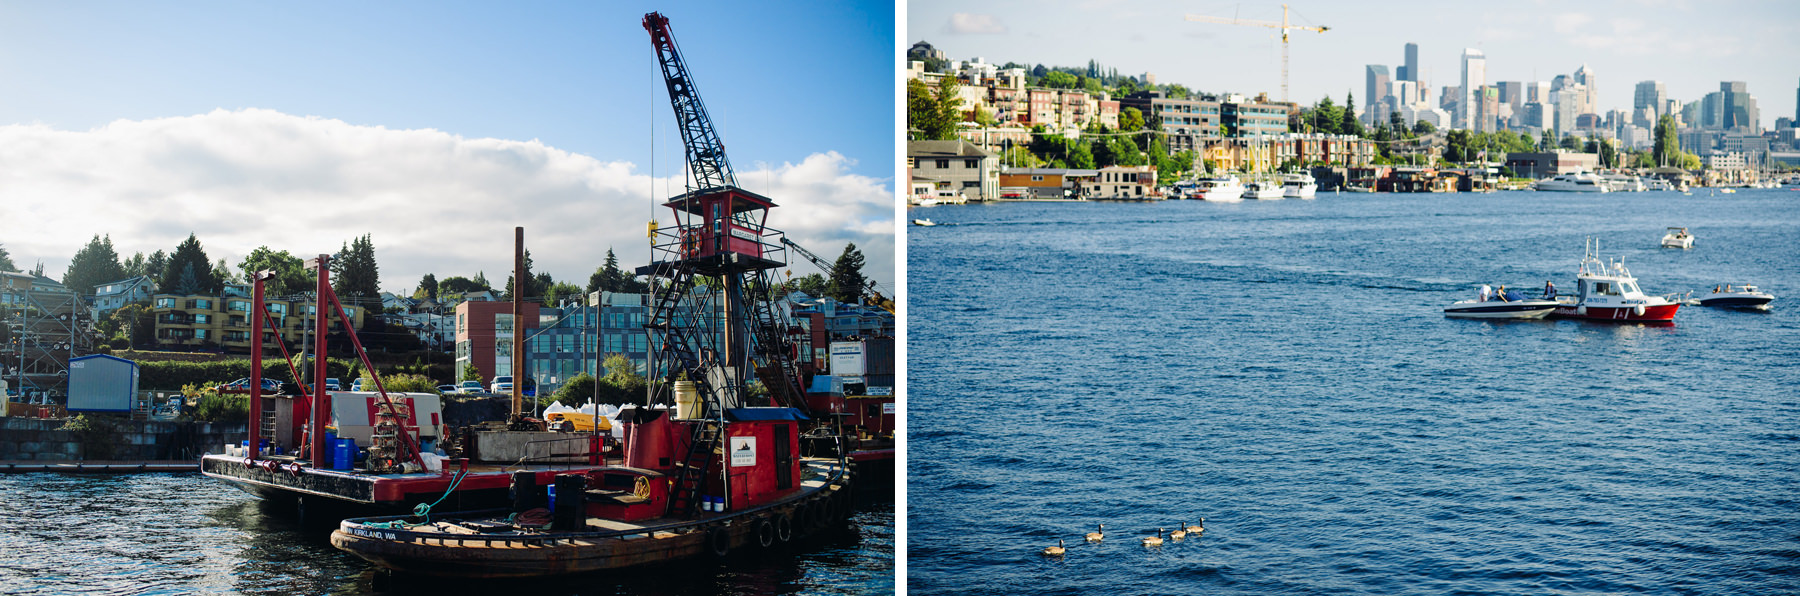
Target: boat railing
376 527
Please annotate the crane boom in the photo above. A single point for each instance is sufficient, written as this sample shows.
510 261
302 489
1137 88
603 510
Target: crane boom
705 151
875 298
1285 26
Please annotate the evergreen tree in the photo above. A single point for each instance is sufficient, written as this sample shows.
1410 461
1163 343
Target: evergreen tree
356 278
847 283
610 278
1349 123
6 262
430 285
188 269
481 282
93 265
812 284
156 264
529 291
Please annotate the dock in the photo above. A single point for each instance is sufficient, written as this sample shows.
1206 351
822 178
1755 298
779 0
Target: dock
100 467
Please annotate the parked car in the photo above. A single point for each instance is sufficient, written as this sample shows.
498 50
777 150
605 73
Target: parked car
331 384
356 385
243 386
502 384
471 387
447 389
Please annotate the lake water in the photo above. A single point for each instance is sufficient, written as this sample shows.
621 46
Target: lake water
186 534
1284 370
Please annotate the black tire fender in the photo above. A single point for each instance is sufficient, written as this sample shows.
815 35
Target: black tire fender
719 540
765 533
784 527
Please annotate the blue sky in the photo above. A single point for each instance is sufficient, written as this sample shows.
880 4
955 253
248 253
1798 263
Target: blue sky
803 96
1690 45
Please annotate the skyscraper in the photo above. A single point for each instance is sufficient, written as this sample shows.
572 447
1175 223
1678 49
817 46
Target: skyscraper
1737 108
1474 75
1374 90
1652 95
1590 94
1410 71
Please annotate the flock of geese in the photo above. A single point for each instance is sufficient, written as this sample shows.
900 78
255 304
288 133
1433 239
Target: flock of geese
1099 534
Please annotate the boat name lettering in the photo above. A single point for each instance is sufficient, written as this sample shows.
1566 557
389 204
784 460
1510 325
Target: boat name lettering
1634 301
366 533
745 234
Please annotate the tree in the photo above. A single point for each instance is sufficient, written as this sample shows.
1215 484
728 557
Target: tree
1667 145
430 285
470 372
188 268
1348 123
355 276
529 291
1456 146
557 292
1547 141
291 276
6 262
610 278
481 281
1327 118
813 284
1571 142
1177 91
1423 127
923 119
459 285
1060 80
1131 120
847 282
1039 72
949 104
93 265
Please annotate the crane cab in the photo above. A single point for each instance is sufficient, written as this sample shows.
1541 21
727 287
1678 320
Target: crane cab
722 224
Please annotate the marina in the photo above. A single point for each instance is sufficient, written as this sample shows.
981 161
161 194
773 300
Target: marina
1284 371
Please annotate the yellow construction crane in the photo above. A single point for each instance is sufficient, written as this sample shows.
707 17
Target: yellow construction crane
1284 26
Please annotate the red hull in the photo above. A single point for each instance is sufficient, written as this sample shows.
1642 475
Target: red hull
1661 312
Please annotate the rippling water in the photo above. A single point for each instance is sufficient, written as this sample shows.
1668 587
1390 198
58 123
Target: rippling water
1283 369
186 534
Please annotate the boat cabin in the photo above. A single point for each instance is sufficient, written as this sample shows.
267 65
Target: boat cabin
763 446
720 221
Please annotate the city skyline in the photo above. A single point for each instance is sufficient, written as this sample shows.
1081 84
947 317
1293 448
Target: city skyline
436 128
1690 47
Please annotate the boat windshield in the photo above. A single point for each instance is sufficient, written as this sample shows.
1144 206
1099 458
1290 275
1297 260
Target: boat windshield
1605 289
1630 287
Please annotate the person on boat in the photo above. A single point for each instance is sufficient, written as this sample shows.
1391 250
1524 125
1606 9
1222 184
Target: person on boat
1549 291
1485 292
1716 289
1501 295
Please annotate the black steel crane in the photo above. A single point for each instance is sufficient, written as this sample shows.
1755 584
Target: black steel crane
874 297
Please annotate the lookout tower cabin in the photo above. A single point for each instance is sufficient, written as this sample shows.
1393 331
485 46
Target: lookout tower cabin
721 230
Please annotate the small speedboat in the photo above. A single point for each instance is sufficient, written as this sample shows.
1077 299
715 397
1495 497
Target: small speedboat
1224 188
1501 309
1737 296
1678 238
924 222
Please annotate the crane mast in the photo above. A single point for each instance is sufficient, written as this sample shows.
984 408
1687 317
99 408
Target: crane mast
1285 26
705 151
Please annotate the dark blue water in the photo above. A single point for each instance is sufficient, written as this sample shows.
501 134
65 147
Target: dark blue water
1283 369
186 534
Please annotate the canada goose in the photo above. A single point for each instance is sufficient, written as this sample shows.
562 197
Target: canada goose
1177 533
1196 529
1097 536
1154 540
1054 551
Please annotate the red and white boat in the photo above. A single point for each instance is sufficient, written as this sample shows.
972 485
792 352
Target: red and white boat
1608 292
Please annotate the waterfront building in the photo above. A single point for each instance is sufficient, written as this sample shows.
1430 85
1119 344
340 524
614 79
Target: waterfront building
111 295
1548 164
223 321
1123 182
1044 183
1474 75
484 332
1751 146
956 166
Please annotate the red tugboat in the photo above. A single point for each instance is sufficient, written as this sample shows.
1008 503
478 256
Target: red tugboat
722 471
1608 292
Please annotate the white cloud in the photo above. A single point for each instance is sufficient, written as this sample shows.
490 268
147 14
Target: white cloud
966 23
434 202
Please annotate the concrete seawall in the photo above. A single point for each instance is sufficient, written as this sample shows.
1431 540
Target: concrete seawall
34 439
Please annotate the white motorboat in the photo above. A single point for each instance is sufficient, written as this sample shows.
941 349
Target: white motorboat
1262 191
1657 184
1622 183
1535 308
1222 189
1576 182
1678 238
1737 296
1607 291
1299 185
923 222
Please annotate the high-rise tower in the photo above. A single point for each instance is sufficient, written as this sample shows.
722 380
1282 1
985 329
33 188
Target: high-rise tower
1474 75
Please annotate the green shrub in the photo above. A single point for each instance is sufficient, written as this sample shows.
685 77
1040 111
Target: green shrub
98 435
214 407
